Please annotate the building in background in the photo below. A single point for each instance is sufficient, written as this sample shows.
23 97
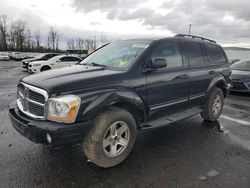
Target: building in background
237 53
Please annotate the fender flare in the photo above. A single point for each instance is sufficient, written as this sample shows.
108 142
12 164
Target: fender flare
106 100
218 81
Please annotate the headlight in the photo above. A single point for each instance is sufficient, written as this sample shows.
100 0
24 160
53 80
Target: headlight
63 108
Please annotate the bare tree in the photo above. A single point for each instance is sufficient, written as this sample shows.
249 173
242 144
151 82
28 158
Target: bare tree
3 32
53 39
90 44
57 42
18 34
38 39
29 39
71 44
80 43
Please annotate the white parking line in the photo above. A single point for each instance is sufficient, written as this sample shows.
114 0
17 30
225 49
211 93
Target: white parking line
236 120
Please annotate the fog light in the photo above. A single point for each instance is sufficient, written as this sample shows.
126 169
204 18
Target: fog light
49 139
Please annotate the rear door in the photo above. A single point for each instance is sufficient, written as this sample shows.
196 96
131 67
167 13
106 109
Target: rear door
64 61
200 71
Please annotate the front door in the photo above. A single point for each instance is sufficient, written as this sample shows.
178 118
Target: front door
167 88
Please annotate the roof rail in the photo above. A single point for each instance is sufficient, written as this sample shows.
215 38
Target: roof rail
195 37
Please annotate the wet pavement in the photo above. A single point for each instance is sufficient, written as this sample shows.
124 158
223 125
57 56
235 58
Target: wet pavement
190 153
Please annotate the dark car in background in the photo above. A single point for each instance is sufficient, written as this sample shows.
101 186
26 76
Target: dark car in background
240 78
232 61
42 57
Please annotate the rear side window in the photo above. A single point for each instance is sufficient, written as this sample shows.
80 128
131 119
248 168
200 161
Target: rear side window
75 59
194 53
65 59
215 54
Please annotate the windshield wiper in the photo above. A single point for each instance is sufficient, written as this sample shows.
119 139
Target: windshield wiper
99 65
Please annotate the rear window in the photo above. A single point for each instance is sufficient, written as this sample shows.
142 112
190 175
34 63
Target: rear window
215 54
194 53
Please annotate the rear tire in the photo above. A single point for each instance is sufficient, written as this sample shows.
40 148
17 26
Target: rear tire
111 139
214 105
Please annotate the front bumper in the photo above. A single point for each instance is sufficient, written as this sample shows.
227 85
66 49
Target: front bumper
37 130
240 87
25 66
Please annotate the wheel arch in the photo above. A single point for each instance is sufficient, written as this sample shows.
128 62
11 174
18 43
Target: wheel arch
219 82
127 100
47 66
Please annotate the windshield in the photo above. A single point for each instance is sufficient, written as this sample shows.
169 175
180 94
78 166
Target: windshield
118 55
55 58
40 56
241 65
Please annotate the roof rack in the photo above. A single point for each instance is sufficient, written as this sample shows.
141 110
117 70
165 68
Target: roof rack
195 37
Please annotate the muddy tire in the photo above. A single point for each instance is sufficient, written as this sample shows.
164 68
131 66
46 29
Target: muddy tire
111 139
214 105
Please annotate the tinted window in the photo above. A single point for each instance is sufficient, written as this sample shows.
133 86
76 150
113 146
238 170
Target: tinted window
194 53
171 52
75 59
51 55
66 59
215 54
46 57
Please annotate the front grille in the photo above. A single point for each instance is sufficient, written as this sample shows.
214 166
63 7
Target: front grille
35 109
31 100
239 86
36 97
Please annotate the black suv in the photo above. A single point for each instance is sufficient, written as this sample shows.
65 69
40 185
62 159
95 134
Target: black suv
119 89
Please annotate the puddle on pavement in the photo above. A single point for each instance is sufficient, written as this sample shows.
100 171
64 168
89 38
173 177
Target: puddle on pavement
216 126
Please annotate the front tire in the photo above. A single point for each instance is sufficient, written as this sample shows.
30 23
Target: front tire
111 139
214 106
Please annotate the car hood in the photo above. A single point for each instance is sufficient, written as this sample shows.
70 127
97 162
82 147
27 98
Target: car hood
30 59
238 74
73 78
35 62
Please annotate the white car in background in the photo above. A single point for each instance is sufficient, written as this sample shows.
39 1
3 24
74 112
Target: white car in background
4 57
53 63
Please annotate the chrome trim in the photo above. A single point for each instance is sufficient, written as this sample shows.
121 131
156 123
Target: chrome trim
169 104
34 102
20 94
20 107
197 96
37 90
229 86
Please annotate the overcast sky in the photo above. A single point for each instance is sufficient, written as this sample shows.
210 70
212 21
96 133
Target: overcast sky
227 21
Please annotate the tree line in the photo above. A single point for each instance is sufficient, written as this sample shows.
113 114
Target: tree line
15 35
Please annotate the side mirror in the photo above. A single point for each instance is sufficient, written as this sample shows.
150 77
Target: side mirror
58 60
158 62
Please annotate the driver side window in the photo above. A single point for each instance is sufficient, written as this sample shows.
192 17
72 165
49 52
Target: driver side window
170 52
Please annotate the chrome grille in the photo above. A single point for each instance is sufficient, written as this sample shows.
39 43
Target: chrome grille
36 97
31 100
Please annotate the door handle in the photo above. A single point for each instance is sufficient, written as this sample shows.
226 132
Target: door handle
212 72
183 76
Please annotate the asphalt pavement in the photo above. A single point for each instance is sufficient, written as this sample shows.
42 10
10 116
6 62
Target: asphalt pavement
189 153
